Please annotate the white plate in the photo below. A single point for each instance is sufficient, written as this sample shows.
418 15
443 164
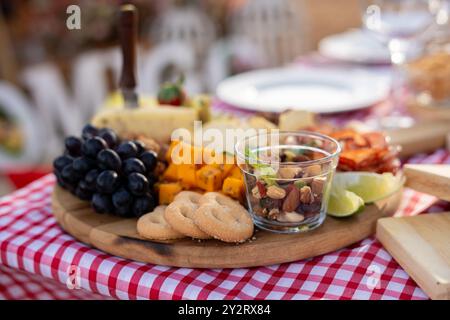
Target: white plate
305 88
355 45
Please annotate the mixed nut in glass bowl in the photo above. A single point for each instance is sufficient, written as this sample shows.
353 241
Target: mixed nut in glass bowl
288 178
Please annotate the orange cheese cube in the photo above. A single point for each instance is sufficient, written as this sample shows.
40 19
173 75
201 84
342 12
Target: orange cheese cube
233 187
168 191
226 168
171 173
235 172
186 175
209 178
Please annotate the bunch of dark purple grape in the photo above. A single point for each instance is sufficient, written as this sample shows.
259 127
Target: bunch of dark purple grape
116 176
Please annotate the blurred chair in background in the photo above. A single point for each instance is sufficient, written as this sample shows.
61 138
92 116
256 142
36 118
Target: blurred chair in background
277 28
186 24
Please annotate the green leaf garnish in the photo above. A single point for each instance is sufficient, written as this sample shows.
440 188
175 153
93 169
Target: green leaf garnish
299 184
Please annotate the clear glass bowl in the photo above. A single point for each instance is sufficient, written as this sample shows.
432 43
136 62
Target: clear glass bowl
288 178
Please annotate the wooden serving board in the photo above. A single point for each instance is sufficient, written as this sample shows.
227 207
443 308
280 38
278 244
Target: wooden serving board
433 179
118 236
421 245
429 112
424 136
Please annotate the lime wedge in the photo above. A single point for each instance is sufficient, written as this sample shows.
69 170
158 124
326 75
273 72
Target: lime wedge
344 203
369 186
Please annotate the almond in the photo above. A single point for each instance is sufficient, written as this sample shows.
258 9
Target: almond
275 192
289 173
313 170
290 217
292 200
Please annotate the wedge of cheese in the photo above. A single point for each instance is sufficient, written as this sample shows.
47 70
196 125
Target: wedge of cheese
296 120
156 122
115 101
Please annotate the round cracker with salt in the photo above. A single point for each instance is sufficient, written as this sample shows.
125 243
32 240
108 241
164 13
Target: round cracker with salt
180 215
154 226
223 218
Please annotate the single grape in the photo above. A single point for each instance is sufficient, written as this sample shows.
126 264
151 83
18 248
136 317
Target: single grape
70 176
89 131
82 191
107 181
102 203
109 136
73 145
62 161
91 179
140 146
122 198
150 160
127 150
93 146
137 184
109 159
131 165
143 205
83 164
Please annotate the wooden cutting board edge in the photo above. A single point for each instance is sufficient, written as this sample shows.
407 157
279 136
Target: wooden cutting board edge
424 136
428 182
420 270
100 231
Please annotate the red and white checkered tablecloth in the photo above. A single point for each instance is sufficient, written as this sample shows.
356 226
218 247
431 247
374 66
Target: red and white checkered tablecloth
17 284
31 241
